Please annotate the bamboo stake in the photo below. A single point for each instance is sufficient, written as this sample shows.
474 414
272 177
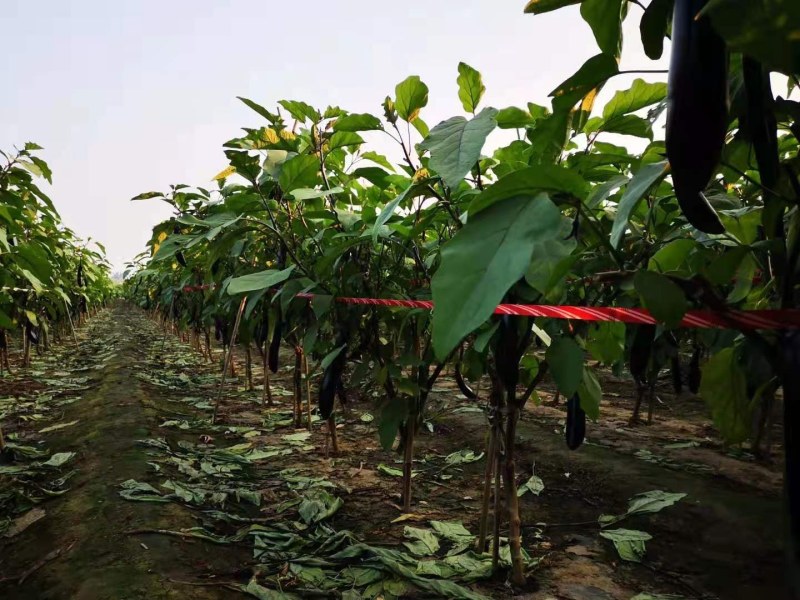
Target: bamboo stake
267 394
308 390
228 358
71 324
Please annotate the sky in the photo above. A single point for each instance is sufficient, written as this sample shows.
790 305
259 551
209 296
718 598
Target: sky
134 95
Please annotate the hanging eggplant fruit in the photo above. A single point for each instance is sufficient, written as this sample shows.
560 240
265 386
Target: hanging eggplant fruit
575 431
275 346
697 111
332 377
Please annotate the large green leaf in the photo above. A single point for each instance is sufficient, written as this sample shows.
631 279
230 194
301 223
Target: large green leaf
592 73
653 27
605 19
357 122
470 87
513 117
724 388
590 394
300 171
630 544
661 296
621 125
672 256
301 111
258 281
411 95
638 96
644 179
531 181
565 359
392 415
485 258
455 144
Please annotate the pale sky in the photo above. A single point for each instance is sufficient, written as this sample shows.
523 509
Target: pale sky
128 96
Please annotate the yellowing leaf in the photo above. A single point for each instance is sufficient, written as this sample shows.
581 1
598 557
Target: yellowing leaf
270 135
227 172
421 174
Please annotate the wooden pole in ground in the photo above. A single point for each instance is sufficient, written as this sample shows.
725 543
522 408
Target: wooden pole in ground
227 361
267 394
71 324
308 390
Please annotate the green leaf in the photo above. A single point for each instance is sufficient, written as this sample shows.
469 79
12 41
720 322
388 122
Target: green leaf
653 27
318 505
258 281
309 194
331 356
377 159
763 29
455 144
661 296
411 95
147 196
391 206
470 87
648 503
357 122
344 139
605 19
425 542
531 181
636 189
271 117
724 388
421 127
538 7
513 117
547 268
592 73
261 593
606 342
672 256
391 417
301 111
744 279
590 394
33 280
638 96
390 471
6 322
59 459
630 544
565 359
484 259
534 485
621 125
300 171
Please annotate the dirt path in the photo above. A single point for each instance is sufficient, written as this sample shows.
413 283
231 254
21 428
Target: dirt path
88 527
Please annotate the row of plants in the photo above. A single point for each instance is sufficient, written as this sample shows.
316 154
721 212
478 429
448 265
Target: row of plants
562 214
50 279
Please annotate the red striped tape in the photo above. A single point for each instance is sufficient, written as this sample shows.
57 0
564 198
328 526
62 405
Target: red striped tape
732 319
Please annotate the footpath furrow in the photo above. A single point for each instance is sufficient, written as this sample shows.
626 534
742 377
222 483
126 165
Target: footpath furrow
84 545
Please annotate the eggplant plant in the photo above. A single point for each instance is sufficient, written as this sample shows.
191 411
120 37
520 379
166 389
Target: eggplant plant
521 204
